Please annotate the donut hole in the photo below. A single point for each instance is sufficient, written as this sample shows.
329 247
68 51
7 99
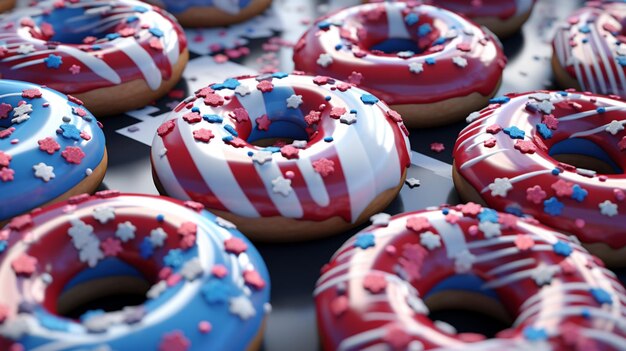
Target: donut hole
460 301
583 153
395 45
109 286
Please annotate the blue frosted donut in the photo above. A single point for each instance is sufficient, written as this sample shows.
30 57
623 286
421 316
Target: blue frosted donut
50 148
207 287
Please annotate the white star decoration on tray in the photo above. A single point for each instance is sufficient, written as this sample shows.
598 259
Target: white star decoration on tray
614 127
103 214
412 182
430 240
500 187
157 237
125 231
608 208
324 60
44 172
294 101
380 219
242 307
282 186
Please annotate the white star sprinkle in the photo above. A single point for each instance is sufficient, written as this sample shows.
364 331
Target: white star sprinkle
472 117
460 61
25 49
541 96
242 307
543 274
445 327
225 223
299 144
451 34
82 239
416 67
103 214
348 118
468 31
192 269
294 101
500 187
43 171
405 54
242 90
324 60
20 119
464 261
546 107
98 324
430 240
79 228
125 231
282 186
157 237
91 253
380 219
490 229
412 182
608 208
22 110
261 157
156 290
614 127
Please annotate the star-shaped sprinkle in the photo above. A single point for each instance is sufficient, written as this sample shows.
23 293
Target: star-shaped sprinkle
601 296
437 147
240 115
500 187
49 145
348 118
111 247
103 214
254 279
364 240
524 241
412 182
25 49
203 135
73 154
216 291
44 172
282 186
375 283
157 289
53 61
242 90
5 159
174 341
464 261
535 333
265 86
146 250
125 231
24 264
543 274
622 144
418 223
381 219
369 99
91 253
192 269
289 152
261 157
562 188
22 110
4 110
562 248
535 194
460 61
7 174
430 240
324 60
263 122
416 67
514 132
213 100
614 127
525 146
174 258
235 246
31 93
69 131
294 101
608 208
553 206
157 237
324 167
490 229
242 307
74 69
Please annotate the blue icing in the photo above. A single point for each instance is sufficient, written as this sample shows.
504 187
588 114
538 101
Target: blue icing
26 153
464 282
178 6
585 147
106 268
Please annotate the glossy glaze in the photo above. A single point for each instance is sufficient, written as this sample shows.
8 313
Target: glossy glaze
453 57
80 46
513 140
345 151
211 286
42 126
371 294
486 8
178 6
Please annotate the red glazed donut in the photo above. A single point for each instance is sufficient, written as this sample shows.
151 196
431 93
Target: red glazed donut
285 157
376 292
532 153
589 51
431 65
115 55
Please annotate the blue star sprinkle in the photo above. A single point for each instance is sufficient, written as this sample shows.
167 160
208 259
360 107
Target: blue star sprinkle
132 19
578 193
411 19
544 131
213 118
499 100
328 139
369 99
601 296
424 29
230 83
3 245
553 206
146 249
621 60
140 9
231 130
228 138
562 248
174 258
430 61
514 132
584 29
156 32
69 131
601 109
53 61
364 240
216 291
112 36
535 334
488 215
280 75
324 25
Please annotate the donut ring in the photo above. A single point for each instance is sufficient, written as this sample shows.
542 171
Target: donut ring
230 147
212 13
441 66
374 292
212 287
508 157
587 54
95 49
51 148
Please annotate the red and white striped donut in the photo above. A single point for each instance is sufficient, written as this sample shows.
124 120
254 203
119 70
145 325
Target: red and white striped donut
95 49
589 51
431 65
376 291
518 155
338 154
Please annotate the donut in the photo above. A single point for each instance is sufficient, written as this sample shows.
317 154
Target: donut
587 50
285 157
51 148
114 55
207 286
212 13
379 287
431 65
7 5
557 156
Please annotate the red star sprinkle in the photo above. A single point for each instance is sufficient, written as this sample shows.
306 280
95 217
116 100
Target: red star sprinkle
5 159
508 221
265 86
339 305
214 100
75 100
21 222
24 264
525 146
417 223
289 152
394 115
437 147
156 44
73 154
74 69
237 142
174 341
6 133
464 47
85 135
6 174
127 32
219 271
187 228
524 241
31 93
562 188
622 144
4 110
111 247
375 283
240 115
535 194
79 111
173 279
324 167
550 121
412 259
321 80
343 86
192 117
196 206
263 123
396 337
49 145
187 242
494 129
4 313
337 112
452 218
204 92
313 117
165 128
203 135
471 209
355 78
491 142
253 278
235 245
